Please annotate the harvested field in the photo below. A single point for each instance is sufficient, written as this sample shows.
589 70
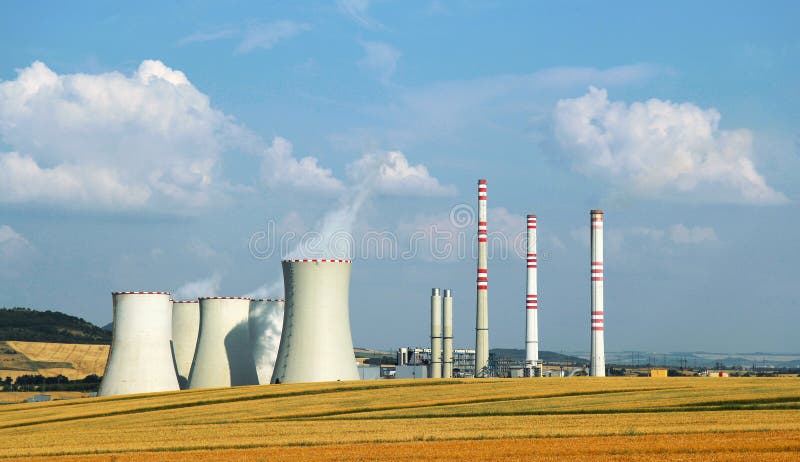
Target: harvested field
581 418
71 360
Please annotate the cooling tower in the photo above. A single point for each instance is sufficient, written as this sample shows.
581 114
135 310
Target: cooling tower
598 356
531 299
224 356
140 360
316 345
482 305
436 335
185 326
447 365
266 324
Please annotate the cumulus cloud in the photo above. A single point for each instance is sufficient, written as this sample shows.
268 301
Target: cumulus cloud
112 141
265 36
381 59
280 168
660 148
393 175
109 139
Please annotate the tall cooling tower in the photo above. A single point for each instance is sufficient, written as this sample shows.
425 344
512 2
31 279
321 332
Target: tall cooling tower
531 299
436 334
598 357
185 326
447 308
266 324
482 305
140 360
316 344
224 356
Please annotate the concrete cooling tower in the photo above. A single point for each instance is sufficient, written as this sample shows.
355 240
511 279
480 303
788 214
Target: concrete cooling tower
140 360
316 345
224 356
185 326
266 324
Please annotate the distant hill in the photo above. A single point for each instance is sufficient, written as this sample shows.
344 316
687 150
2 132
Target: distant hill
27 325
546 356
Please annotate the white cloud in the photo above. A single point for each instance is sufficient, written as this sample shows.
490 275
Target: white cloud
280 168
266 36
660 148
381 59
391 174
681 234
110 141
358 11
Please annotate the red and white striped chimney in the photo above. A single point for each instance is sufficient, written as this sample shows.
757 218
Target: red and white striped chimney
598 355
482 314
531 299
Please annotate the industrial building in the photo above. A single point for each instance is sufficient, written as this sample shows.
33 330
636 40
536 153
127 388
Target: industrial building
316 344
463 359
140 359
224 356
185 326
265 322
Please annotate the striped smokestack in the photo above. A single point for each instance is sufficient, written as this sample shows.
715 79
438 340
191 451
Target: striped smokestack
598 356
482 315
531 299
447 365
436 334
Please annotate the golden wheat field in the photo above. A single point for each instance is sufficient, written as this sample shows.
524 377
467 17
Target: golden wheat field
492 419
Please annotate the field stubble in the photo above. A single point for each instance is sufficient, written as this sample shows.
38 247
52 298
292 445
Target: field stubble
682 416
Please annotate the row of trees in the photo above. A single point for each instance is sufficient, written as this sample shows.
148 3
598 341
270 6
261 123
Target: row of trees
31 382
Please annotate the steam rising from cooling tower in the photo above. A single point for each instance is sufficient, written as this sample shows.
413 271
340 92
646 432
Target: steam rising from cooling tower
265 323
140 360
316 343
224 356
482 305
598 355
185 326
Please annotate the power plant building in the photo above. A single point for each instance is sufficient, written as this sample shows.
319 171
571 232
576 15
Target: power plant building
316 344
140 360
597 366
224 355
482 303
185 326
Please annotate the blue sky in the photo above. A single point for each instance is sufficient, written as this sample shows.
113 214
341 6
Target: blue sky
145 147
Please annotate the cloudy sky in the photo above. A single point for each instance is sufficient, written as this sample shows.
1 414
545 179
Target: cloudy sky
189 147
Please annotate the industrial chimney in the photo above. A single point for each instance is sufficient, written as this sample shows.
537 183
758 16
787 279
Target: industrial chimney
436 335
531 301
316 344
447 365
265 323
185 326
482 312
140 360
224 356
598 357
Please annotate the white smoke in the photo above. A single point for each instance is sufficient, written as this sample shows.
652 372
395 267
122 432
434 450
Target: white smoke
265 324
207 287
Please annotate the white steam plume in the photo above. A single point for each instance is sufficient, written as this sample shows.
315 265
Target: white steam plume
265 324
207 287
